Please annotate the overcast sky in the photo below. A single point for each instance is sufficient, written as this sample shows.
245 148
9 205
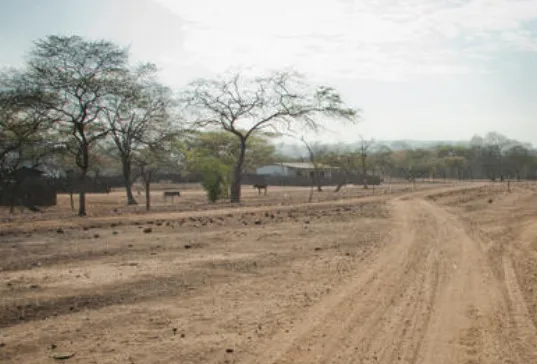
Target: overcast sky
419 69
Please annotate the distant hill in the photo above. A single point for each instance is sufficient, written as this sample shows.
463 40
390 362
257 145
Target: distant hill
297 150
413 144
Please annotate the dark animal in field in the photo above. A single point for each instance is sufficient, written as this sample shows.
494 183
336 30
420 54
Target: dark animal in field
261 186
34 208
171 194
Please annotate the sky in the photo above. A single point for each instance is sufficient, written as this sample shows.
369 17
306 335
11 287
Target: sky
417 69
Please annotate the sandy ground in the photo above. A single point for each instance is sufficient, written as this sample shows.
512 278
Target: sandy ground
440 274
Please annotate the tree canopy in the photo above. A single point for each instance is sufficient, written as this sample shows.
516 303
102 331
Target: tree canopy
280 103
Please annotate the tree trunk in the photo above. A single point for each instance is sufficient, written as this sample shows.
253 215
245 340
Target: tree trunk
364 173
127 177
339 186
237 174
342 183
12 203
14 193
130 197
82 194
148 194
82 202
84 166
147 176
318 180
12 197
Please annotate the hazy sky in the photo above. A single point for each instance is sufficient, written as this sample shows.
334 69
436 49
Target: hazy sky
419 69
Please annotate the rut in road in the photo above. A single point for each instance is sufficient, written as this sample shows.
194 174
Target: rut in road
429 297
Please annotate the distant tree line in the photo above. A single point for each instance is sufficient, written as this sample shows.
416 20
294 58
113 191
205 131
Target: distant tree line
492 157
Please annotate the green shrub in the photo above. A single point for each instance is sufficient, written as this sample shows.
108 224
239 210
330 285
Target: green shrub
215 179
212 184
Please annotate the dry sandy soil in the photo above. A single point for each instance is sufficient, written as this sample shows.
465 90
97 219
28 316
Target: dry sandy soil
439 274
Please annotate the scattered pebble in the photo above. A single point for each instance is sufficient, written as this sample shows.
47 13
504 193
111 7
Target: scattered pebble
63 356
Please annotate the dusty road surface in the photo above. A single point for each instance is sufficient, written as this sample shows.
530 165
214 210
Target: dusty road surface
443 274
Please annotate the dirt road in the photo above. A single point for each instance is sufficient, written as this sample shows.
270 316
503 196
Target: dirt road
446 276
429 297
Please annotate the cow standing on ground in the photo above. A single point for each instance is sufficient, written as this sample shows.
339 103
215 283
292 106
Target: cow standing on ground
171 194
261 186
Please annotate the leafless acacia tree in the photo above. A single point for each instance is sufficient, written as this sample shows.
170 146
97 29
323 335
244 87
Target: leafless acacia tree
347 162
149 161
314 156
365 145
243 106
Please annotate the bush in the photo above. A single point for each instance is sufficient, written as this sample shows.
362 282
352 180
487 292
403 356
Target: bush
212 184
215 179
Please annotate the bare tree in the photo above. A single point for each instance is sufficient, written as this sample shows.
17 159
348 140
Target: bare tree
365 145
311 155
138 115
382 159
347 162
315 154
150 160
241 106
79 73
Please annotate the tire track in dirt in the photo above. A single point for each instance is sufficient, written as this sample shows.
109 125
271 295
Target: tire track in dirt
429 297
331 329
523 323
458 331
471 321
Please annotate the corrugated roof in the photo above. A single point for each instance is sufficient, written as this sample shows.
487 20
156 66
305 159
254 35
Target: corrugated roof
306 165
